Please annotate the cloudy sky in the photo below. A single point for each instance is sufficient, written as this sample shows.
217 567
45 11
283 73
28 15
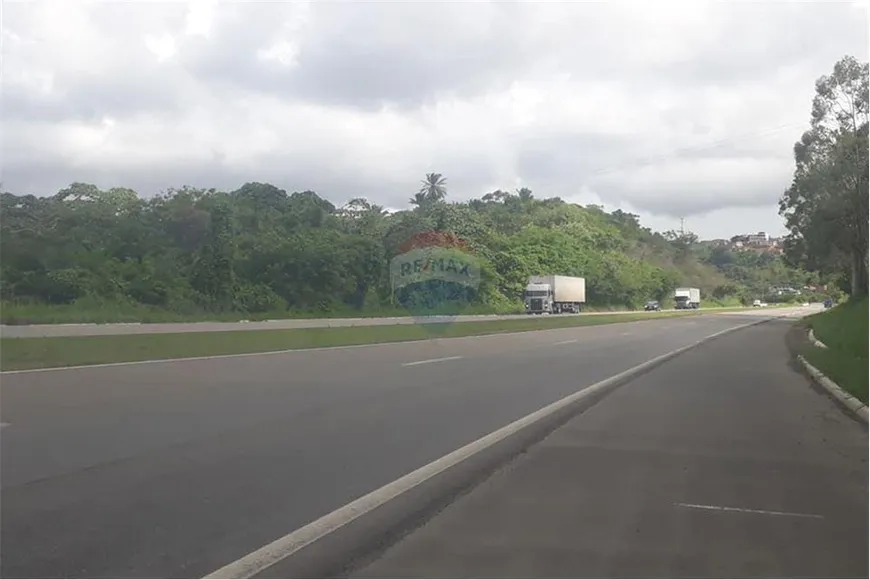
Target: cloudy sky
661 108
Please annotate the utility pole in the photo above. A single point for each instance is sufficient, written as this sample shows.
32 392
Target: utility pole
682 226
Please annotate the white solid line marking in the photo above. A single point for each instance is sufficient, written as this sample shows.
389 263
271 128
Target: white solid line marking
720 508
431 360
286 546
565 342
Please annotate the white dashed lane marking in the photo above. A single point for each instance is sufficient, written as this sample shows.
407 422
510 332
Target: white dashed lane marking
431 360
720 508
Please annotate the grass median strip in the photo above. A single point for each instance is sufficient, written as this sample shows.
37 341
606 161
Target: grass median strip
33 353
844 331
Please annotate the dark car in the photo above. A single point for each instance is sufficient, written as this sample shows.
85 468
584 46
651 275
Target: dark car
829 303
652 305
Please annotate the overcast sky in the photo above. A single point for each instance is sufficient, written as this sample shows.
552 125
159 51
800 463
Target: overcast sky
664 109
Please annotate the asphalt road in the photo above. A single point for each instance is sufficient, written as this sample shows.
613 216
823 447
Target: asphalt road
176 468
721 463
92 329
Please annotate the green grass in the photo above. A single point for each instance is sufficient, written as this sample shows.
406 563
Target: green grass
29 353
844 330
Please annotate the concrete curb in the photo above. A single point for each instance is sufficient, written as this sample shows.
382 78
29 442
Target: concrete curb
816 342
858 408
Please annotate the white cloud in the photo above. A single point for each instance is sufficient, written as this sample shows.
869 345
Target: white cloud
659 108
163 46
282 51
199 18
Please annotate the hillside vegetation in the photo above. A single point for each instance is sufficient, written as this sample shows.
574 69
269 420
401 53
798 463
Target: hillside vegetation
91 255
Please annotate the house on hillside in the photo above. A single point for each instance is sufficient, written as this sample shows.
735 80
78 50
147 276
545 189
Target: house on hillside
759 239
758 242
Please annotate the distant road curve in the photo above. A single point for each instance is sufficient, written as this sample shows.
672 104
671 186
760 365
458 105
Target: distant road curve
93 329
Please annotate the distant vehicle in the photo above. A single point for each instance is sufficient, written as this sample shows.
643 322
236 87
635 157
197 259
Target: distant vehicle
756 303
687 298
652 305
829 303
554 294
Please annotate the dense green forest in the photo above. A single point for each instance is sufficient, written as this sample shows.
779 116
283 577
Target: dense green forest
258 251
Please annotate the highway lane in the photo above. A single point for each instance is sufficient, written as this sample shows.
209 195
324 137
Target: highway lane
721 463
176 468
91 329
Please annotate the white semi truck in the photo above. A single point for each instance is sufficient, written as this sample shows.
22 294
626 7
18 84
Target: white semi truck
687 298
554 294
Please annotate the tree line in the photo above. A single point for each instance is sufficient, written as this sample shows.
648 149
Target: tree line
825 207
260 249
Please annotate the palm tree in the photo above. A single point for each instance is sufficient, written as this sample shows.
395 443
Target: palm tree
434 187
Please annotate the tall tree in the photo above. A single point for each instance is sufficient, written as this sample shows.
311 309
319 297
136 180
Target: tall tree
825 207
525 194
434 189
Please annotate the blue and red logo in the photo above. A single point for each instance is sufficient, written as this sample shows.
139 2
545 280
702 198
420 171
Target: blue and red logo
435 275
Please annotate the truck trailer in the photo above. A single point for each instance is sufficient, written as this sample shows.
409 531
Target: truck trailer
687 298
554 294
